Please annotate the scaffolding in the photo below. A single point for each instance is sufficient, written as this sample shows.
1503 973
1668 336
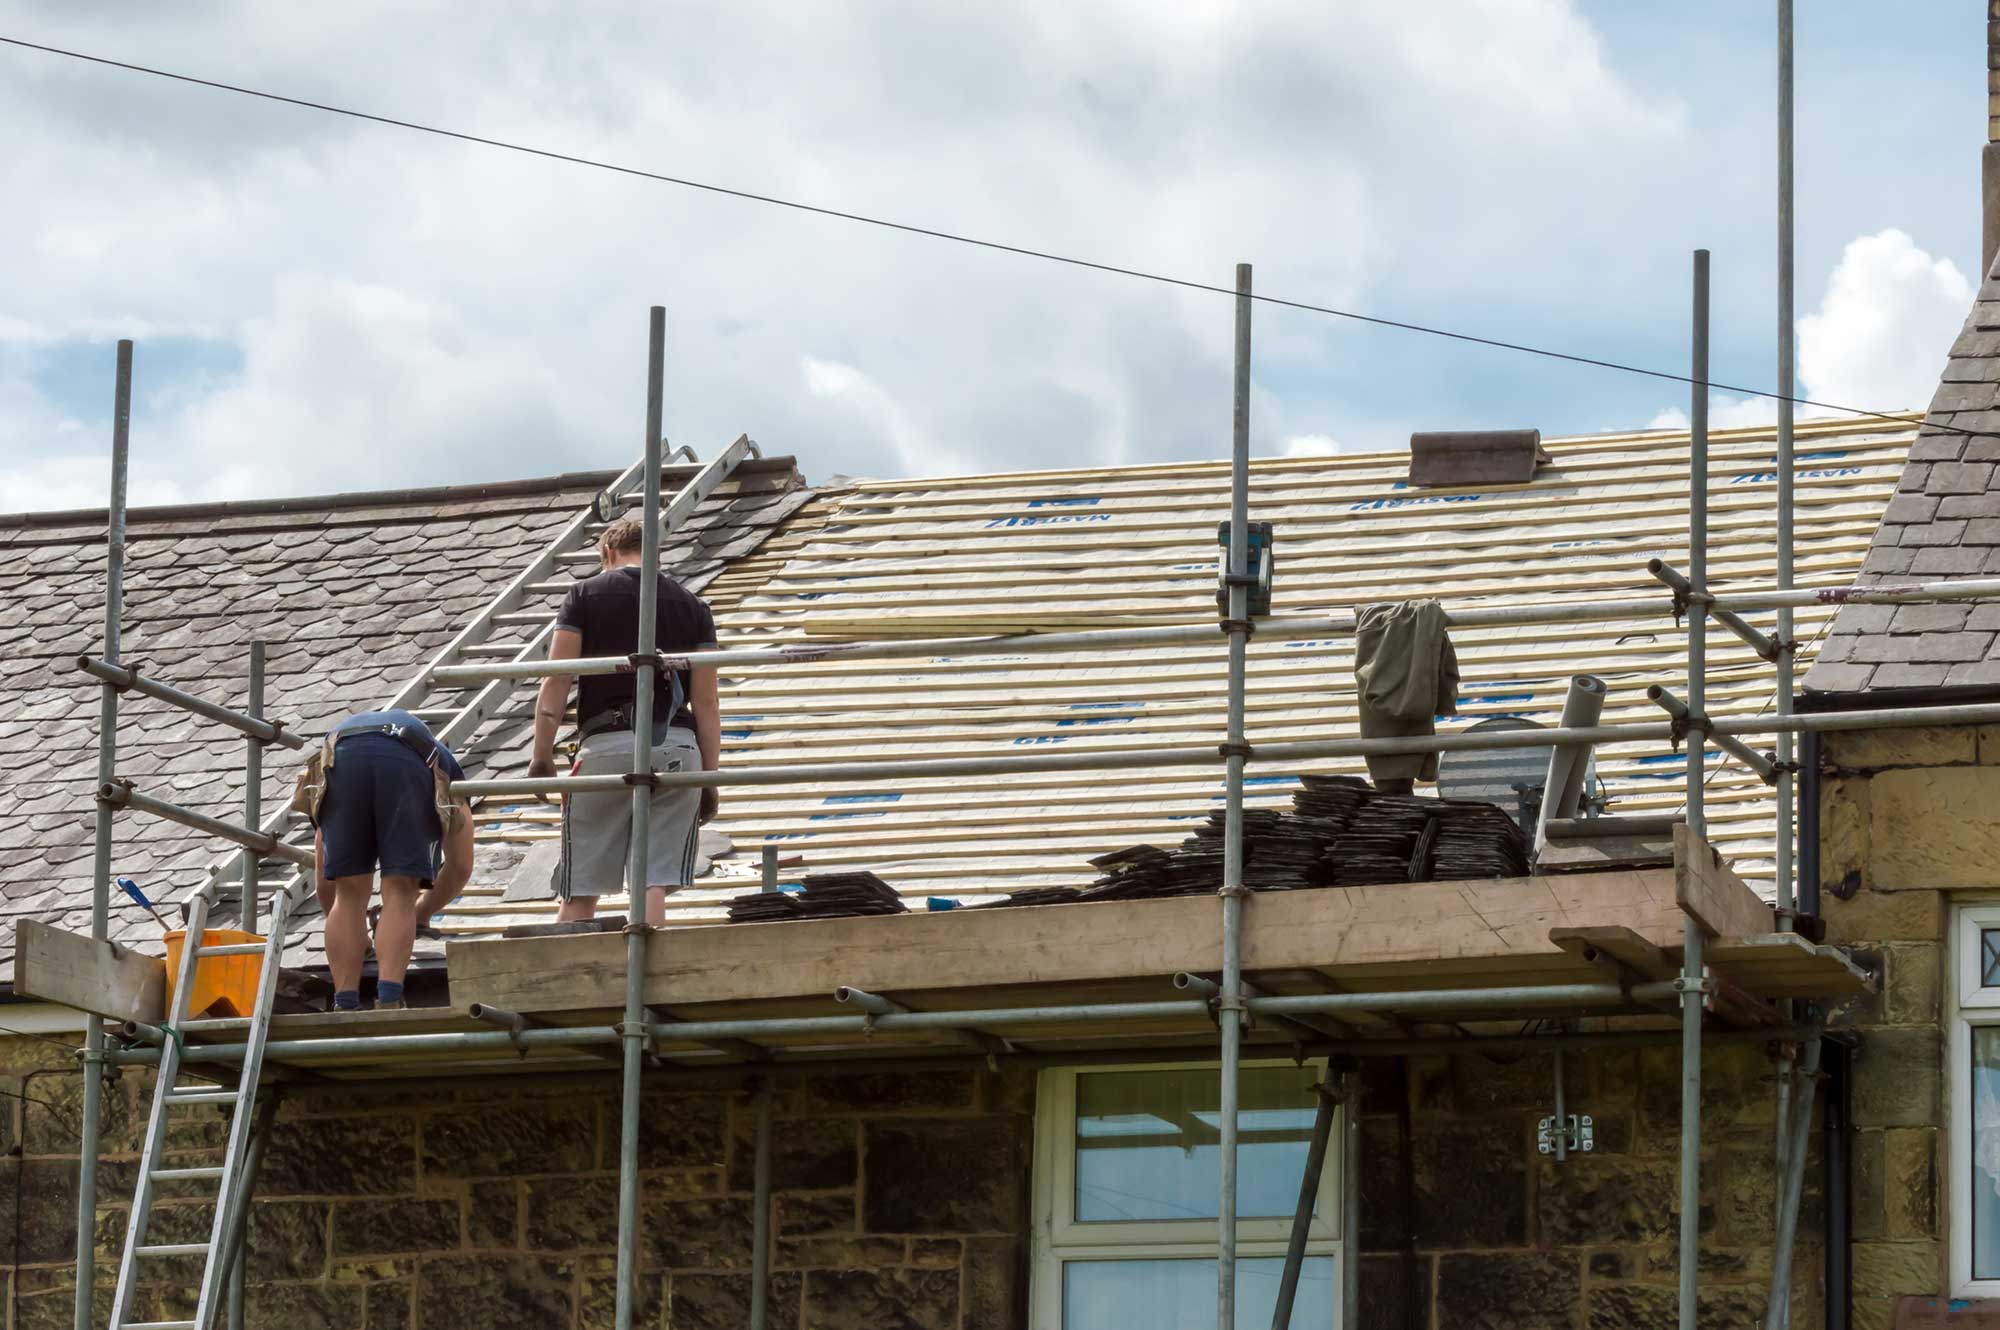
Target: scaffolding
632 1041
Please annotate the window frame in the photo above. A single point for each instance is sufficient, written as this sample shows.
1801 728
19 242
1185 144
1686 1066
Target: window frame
1058 1238
1972 1006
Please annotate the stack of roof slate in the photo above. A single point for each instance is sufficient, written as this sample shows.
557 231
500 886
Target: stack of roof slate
822 896
1339 832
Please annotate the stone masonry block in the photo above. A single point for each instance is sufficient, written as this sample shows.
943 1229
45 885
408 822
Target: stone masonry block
1461 1207
1892 1269
408 1225
944 1176
1913 984
1910 1172
1883 916
810 1154
1507 1290
1987 737
1868 750
492 1291
881 1299
1623 1200
1934 828
722 1302
1896 1077
509 1139
359 1156
1868 1191
994 1283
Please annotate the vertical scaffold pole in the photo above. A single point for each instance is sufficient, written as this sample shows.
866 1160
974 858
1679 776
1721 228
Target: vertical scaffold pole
760 1219
634 1027
100 882
1786 633
1230 1005
1697 770
253 790
253 816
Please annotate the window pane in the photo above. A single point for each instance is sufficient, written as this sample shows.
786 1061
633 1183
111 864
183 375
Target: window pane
1989 958
1180 1295
1147 1143
1986 1152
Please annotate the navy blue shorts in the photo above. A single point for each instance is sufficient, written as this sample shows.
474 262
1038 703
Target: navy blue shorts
380 811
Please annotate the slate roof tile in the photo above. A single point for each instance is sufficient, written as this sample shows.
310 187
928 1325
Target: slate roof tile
1953 461
353 594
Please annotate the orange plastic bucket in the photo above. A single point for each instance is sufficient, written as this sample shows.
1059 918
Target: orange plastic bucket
223 985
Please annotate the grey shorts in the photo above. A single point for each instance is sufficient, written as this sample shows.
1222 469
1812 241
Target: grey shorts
597 828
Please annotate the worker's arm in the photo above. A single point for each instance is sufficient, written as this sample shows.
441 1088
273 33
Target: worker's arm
321 887
551 702
707 733
457 868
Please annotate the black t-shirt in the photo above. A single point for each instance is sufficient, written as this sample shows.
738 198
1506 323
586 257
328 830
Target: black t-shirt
605 610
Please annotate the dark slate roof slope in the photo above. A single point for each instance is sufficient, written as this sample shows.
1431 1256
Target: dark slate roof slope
1943 523
353 594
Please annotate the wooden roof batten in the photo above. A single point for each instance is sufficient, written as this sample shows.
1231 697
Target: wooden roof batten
1471 958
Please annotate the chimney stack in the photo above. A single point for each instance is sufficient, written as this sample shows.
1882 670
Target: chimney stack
1989 165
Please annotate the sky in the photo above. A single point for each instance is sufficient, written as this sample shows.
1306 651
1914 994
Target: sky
323 305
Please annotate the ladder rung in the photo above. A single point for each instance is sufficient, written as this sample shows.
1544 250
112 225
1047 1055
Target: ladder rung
528 617
201 1096
173 1249
560 588
579 557
185 1174
430 714
491 650
159 1325
210 1022
232 949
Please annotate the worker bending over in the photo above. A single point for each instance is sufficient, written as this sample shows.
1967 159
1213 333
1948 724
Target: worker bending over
600 617
382 801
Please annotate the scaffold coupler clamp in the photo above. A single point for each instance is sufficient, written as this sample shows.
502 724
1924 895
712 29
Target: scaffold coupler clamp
1229 748
1256 585
1706 986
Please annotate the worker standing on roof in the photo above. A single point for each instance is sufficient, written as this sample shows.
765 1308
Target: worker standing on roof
378 791
600 617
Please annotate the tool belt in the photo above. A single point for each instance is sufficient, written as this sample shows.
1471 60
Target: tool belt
310 785
619 718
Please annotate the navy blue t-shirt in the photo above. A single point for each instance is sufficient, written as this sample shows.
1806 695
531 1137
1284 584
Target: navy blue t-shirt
373 720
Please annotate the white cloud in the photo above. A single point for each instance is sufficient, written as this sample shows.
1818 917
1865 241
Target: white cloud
1312 445
407 310
1877 342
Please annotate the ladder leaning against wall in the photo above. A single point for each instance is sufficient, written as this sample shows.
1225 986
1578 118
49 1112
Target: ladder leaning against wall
235 1089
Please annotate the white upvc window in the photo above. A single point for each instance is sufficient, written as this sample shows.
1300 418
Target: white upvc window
1974 1053
1126 1191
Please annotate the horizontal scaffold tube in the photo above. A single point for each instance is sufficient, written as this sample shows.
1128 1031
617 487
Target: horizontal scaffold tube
1290 626
1457 1001
120 794
127 679
1198 754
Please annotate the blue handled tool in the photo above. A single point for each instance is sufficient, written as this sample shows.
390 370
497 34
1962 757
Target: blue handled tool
131 888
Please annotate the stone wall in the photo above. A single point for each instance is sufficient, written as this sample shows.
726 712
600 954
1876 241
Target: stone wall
1504 1238
1909 821
900 1203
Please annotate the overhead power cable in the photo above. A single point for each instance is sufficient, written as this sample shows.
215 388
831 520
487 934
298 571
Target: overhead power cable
953 237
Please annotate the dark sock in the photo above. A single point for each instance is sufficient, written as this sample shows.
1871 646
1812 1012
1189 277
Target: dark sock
348 999
388 992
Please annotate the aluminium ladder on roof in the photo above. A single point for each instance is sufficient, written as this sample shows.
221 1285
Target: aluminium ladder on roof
222 1248
457 722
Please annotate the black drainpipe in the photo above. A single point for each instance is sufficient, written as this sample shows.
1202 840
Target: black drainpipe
1837 1059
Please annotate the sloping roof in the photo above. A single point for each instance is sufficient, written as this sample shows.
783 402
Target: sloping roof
353 593
1944 522
1136 545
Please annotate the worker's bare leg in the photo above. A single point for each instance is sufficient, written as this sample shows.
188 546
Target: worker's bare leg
656 906
395 928
347 928
576 909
